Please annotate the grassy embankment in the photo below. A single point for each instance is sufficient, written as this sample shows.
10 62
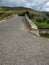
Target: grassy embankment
5 13
42 23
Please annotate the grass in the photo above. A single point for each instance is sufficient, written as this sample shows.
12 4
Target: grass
4 15
42 25
44 35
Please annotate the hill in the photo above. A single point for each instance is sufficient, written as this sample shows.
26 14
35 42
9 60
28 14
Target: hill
6 11
21 9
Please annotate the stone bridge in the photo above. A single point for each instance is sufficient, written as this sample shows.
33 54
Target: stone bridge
19 47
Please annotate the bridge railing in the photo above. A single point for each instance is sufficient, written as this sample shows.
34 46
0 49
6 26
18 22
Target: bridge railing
33 27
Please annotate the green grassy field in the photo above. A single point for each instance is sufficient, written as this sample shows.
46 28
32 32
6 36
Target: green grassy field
43 24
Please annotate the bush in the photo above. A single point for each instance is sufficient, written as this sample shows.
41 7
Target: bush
1 12
39 20
7 13
23 14
48 21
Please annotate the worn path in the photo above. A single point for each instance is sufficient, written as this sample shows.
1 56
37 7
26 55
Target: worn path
19 47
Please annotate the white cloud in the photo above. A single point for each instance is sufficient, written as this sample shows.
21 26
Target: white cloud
17 1
47 9
29 5
47 5
21 1
38 1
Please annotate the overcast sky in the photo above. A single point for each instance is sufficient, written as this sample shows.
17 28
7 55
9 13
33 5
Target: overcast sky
42 5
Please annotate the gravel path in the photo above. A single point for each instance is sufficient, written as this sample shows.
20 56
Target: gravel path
19 47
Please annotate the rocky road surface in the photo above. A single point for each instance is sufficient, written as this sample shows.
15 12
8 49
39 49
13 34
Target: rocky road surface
19 47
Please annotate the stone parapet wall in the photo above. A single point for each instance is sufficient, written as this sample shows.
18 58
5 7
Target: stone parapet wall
33 27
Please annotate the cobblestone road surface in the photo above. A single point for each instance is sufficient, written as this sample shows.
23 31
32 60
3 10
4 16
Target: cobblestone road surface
19 47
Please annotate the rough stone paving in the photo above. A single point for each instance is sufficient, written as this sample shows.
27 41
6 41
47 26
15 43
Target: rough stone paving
19 47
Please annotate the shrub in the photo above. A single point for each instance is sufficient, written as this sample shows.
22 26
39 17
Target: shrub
48 21
1 12
39 20
23 14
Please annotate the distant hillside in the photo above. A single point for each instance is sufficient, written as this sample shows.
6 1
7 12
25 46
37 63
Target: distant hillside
19 10
46 13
